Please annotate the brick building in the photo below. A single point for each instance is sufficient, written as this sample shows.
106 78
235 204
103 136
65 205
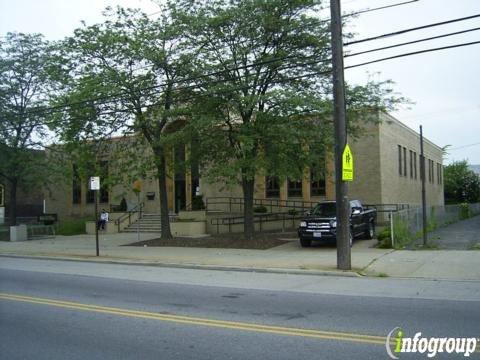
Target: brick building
386 166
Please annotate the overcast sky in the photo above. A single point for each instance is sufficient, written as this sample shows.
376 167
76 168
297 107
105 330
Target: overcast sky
444 85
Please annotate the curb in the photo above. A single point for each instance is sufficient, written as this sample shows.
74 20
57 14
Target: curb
137 262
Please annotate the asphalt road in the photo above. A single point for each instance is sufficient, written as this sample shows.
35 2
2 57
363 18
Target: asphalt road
80 310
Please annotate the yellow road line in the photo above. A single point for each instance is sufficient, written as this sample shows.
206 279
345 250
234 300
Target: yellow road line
233 325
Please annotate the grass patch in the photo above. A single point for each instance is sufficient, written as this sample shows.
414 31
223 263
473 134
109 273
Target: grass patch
475 247
70 227
4 233
384 239
428 246
382 275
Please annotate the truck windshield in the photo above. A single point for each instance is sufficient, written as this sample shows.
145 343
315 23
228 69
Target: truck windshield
325 209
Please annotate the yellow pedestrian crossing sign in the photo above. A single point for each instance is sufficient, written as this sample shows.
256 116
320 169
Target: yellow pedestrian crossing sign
347 164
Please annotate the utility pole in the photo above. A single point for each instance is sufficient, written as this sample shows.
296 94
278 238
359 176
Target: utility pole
344 261
96 222
424 199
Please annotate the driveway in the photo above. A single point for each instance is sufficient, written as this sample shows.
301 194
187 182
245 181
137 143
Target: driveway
462 235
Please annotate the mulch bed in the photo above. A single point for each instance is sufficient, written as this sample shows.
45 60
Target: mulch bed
261 241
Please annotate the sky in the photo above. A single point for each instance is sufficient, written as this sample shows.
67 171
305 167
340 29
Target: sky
443 85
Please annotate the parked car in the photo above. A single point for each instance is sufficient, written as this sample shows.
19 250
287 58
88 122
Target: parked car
320 224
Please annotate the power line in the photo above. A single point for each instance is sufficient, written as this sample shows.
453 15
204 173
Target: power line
413 42
114 99
411 29
413 53
259 63
464 146
379 8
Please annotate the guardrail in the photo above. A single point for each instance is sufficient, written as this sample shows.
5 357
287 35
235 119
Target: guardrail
257 218
128 215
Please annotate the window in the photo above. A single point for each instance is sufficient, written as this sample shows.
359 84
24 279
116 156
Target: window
404 161
431 171
400 160
90 195
2 195
411 164
76 187
294 188
272 188
103 192
317 183
415 164
104 196
439 173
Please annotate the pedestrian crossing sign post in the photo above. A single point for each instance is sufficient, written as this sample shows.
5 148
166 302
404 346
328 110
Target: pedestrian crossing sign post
347 164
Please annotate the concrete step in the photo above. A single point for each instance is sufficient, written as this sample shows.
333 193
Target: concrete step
148 223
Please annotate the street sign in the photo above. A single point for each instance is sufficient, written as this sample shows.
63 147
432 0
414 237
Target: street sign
347 164
94 183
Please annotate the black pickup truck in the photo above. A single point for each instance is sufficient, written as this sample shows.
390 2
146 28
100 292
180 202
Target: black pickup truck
320 224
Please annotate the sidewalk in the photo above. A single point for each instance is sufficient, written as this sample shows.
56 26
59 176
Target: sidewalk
435 264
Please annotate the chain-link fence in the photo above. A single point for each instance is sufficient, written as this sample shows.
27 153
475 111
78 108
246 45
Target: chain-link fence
407 225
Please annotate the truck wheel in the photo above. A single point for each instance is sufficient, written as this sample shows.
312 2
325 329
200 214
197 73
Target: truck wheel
370 232
305 242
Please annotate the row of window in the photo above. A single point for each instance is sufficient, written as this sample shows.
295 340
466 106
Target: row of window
402 166
90 196
294 187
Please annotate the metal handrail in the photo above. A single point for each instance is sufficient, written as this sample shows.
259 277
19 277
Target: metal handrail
257 218
278 203
128 215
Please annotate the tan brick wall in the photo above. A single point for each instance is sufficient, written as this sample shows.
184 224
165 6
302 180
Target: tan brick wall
366 166
398 188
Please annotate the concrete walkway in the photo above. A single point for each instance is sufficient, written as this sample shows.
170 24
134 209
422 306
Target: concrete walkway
462 235
291 258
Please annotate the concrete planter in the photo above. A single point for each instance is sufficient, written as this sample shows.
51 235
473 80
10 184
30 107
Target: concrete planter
18 233
196 215
188 228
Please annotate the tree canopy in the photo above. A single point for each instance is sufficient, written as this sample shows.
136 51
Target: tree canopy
29 70
461 183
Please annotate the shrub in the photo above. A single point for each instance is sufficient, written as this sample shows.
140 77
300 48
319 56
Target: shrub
384 239
292 212
123 205
464 211
71 227
260 209
401 233
197 203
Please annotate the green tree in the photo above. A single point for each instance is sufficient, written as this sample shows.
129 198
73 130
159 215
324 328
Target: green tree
28 73
461 183
124 81
263 99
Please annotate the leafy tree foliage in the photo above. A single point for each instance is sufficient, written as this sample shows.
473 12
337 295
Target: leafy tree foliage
461 183
28 72
124 81
263 102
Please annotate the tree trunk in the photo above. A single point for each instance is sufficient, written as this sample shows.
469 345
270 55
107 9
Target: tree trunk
12 211
248 186
162 189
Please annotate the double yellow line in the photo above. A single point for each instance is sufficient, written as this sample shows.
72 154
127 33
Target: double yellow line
231 325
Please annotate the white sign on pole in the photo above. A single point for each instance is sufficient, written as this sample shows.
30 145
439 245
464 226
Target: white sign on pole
94 183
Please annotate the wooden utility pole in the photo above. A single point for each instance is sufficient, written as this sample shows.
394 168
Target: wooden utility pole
344 261
424 198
